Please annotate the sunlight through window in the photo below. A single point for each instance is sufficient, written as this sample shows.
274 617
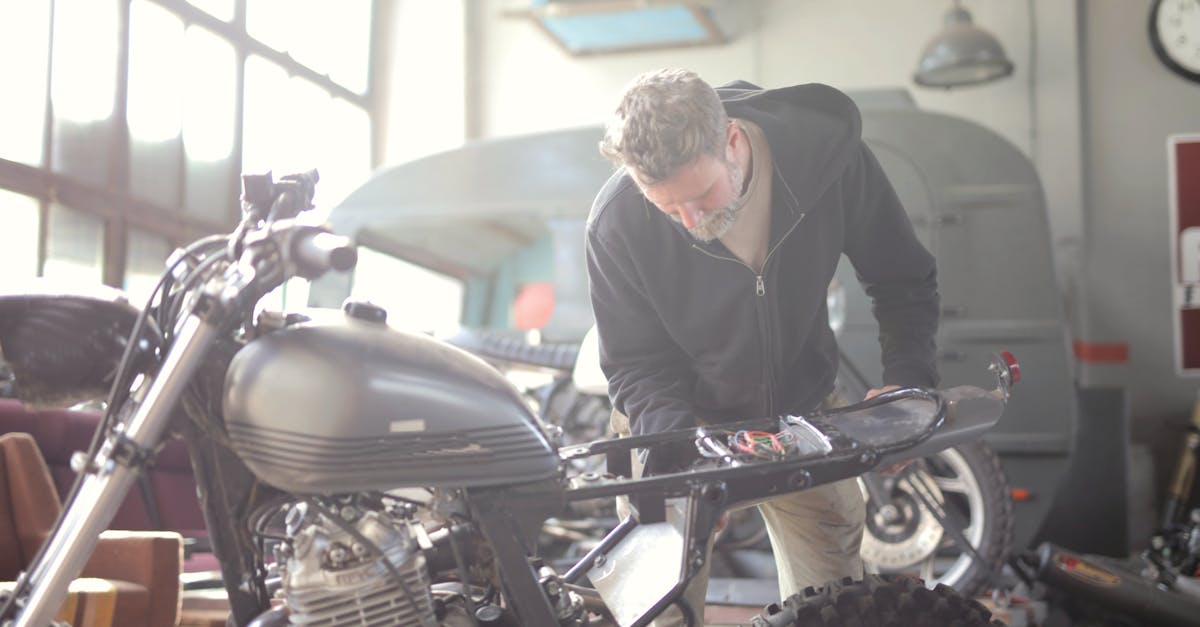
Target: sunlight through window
220 9
416 299
210 96
24 35
145 258
292 125
19 238
348 135
155 50
85 59
74 245
306 28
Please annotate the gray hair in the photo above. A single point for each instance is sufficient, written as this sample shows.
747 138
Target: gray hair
666 119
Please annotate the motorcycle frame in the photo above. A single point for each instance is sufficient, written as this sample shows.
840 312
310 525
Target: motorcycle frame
508 516
505 515
710 489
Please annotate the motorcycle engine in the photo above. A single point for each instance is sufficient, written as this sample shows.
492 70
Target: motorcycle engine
333 573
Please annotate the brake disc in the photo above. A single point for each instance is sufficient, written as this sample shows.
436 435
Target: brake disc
904 532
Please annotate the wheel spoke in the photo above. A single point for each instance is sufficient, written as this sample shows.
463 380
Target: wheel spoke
950 484
927 569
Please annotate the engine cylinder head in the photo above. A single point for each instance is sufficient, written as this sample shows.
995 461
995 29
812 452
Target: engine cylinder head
332 579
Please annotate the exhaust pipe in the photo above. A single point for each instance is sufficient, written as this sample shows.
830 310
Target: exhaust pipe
1118 590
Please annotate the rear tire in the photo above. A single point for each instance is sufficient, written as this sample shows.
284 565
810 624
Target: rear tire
877 601
972 483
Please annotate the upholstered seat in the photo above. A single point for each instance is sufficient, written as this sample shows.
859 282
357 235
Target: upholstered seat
164 499
142 566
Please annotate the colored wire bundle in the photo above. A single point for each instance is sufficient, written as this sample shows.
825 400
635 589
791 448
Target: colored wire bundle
762 444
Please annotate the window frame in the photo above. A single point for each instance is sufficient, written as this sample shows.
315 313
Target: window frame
114 202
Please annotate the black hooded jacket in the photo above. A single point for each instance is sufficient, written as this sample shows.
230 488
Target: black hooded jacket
689 334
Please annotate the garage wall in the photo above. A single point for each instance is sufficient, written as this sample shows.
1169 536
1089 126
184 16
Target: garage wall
1132 104
526 83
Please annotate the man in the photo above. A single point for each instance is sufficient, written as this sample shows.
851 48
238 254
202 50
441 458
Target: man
709 254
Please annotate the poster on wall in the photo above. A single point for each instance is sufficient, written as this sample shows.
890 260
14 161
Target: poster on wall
1183 180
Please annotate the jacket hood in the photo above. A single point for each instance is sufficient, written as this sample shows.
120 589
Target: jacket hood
814 127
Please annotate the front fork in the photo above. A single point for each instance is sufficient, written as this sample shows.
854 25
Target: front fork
109 477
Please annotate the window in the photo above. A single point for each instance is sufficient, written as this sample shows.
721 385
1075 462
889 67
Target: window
155 102
24 35
292 125
209 121
280 127
291 296
220 9
19 237
85 59
145 261
179 79
74 246
304 28
83 71
416 299
155 52
210 96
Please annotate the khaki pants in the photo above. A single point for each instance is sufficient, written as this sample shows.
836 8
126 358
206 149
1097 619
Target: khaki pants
815 534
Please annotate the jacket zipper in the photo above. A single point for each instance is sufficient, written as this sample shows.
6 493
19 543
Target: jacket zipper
760 289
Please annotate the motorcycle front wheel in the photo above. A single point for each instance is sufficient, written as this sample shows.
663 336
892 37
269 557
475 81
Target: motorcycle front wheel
902 536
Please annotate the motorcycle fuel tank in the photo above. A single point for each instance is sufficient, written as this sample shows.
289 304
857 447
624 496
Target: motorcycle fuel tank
339 404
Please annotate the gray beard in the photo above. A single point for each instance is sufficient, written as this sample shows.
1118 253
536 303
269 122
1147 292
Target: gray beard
718 223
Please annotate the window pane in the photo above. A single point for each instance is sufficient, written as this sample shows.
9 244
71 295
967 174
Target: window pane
220 9
415 298
209 117
291 296
336 40
19 237
85 59
330 37
427 30
263 128
75 241
336 138
285 121
83 77
154 105
348 138
210 96
145 257
155 50
265 21
24 35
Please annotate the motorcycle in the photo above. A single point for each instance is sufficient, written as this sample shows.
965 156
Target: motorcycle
353 474
1160 586
954 529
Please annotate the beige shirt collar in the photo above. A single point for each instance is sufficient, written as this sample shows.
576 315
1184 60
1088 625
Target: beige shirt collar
750 235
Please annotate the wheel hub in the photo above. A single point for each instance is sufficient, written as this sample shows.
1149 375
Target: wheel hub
901 533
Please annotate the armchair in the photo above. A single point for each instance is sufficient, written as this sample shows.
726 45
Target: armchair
143 567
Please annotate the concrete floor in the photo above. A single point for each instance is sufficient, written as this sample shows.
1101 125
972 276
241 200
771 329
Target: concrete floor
208 608
1018 614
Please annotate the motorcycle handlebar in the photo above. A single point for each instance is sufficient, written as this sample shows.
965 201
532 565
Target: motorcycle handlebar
322 251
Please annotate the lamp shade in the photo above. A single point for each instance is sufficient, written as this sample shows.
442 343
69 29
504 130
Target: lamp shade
961 54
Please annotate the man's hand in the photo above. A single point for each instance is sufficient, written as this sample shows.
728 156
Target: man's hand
873 392
895 468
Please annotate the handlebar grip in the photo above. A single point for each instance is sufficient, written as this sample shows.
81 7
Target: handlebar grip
319 252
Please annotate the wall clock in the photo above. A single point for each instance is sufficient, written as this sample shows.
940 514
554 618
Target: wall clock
1175 35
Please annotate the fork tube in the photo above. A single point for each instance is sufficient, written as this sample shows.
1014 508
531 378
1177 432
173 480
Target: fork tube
110 479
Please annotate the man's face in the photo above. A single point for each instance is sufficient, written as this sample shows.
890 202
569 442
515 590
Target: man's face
703 196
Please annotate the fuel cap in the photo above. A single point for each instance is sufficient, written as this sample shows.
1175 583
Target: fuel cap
364 310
